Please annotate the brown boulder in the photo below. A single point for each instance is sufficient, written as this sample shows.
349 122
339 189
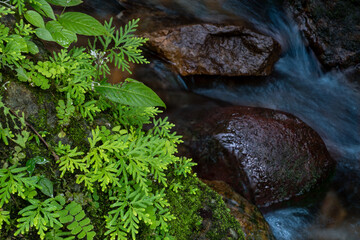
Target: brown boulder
266 155
248 215
216 50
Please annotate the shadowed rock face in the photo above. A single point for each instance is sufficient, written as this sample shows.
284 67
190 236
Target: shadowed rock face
332 29
216 50
248 215
266 155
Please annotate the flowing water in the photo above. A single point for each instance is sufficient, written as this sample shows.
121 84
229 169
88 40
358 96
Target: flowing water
326 101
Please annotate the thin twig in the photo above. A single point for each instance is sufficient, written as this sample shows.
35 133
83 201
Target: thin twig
56 157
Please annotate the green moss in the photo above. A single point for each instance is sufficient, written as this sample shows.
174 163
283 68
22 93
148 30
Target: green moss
202 214
76 131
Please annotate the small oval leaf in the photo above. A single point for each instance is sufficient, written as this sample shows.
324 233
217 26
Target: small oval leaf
62 36
65 3
43 8
34 18
32 47
81 23
131 93
44 34
47 187
30 164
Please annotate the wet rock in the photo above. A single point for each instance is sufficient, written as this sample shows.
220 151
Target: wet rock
250 218
332 29
216 50
333 221
266 155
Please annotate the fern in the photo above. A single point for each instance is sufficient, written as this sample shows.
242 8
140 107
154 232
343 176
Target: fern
78 223
12 181
125 47
41 215
65 112
69 160
129 209
5 134
4 217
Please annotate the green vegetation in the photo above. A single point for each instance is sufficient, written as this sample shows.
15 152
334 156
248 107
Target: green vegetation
84 158
121 171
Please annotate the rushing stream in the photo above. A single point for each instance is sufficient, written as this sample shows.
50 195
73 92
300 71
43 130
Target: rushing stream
326 101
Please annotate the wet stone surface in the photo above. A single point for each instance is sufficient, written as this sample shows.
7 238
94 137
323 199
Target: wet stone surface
268 156
215 50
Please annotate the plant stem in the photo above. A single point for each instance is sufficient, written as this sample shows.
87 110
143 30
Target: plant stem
56 157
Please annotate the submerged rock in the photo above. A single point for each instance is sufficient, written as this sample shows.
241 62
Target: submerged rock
216 50
248 215
266 155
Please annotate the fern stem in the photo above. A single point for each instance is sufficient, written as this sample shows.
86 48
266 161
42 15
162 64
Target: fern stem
56 157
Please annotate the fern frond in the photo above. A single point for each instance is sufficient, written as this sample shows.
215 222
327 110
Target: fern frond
40 214
13 180
79 225
4 217
69 160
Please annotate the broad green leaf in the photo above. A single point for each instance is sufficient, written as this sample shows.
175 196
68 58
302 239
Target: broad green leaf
61 35
34 18
81 23
30 164
32 47
131 93
65 3
44 8
44 34
47 187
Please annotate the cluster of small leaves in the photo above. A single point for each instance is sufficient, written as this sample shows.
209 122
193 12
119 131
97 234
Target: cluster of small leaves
120 47
127 162
77 223
13 180
50 219
41 215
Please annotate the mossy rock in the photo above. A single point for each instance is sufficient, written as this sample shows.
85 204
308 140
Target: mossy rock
200 212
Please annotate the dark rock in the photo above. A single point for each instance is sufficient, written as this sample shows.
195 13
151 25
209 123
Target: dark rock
248 215
266 155
21 98
216 50
332 29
